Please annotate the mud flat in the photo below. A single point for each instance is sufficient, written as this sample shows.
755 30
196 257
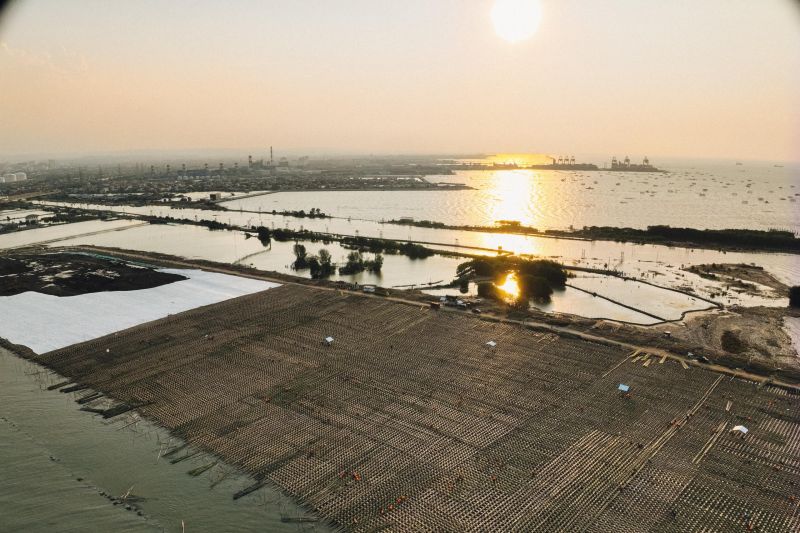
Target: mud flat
746 278
408 421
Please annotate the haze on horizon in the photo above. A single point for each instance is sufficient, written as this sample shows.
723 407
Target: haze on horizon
710 79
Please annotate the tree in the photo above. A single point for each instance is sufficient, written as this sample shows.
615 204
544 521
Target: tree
354 264
549 270
536 288
463 285
486 289
324 257
300 255
794 296
321 266
314 266
264 236
376 264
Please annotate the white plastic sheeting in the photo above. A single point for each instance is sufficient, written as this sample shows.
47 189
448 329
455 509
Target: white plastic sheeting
43 322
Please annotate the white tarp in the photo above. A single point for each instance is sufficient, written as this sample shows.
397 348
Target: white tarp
43 322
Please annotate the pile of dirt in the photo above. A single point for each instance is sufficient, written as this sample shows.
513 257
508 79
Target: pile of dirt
66 274
746 337
732 342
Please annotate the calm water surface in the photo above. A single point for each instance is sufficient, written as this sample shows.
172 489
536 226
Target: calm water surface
757 196
47 444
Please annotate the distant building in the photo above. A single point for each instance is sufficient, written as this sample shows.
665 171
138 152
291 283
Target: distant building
11 177
215 196
32 219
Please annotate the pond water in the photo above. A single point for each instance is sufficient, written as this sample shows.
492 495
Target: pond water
8 216
599 294
57 460
196 242
658 264
635 260
668 305
61 231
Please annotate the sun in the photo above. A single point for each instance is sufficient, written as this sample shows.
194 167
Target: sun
516 20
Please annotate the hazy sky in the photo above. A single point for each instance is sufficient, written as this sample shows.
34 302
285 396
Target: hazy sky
695 78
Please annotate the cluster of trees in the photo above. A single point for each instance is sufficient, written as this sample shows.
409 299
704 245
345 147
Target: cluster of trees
494 267
321 265
382 246
744 238
365 244
314 212
357 263
535 279
266 235
530 288
419 223
210 224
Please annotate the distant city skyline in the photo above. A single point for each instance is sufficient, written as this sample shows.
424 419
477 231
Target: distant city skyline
716 79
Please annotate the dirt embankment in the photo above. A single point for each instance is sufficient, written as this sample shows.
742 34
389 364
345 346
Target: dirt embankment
64 274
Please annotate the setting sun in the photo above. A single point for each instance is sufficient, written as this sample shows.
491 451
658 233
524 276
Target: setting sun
516 20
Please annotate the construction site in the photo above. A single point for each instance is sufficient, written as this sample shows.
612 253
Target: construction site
382 415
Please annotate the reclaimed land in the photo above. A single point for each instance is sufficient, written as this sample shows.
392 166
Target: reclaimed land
71 274
712 239
409 422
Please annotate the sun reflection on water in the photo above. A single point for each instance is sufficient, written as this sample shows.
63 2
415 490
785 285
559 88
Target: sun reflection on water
510 287
512 192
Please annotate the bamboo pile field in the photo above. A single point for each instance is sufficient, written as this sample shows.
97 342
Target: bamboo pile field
409 421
